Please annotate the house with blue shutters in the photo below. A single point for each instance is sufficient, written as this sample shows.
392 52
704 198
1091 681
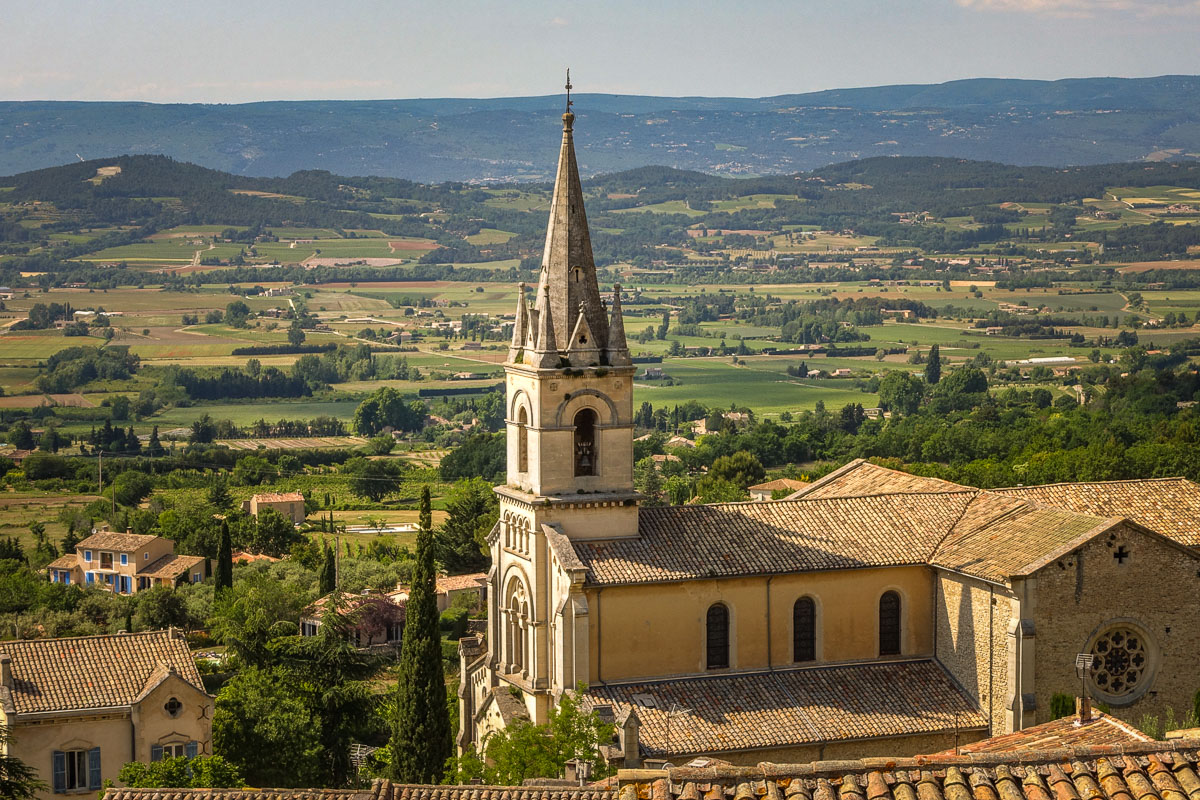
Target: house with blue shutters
79 708
127 563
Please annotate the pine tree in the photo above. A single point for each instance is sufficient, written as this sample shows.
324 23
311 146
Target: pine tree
328 571
421 736
154 447
933 369
224 574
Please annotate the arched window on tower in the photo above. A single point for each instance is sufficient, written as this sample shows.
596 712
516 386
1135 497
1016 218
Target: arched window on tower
717 637
517 622
804 630
889 624
523 440
585 442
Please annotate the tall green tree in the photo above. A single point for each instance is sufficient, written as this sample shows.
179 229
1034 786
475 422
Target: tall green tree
933 369
472 511
328 571
224 573
421 735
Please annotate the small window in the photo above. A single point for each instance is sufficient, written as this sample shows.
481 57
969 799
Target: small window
889 624
76 770
145 556
717 635
173 707
124 559
197 577
804 630
87 555
90 577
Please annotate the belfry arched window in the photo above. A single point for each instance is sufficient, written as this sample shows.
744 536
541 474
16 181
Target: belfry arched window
523 440
889 624
585 442
517 626
804 630
717 637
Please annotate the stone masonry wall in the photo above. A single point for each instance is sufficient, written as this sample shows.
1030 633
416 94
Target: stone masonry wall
1123 577
972 619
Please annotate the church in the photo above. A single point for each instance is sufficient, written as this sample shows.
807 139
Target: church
871 613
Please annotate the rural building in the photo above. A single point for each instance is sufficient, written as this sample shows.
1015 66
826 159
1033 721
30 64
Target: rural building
679 441
80 708
843 372
764 491
871 613
452 587
373 618
289 504
127 563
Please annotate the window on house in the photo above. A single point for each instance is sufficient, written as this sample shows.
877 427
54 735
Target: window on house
197 577
717 637
585 442
87 555
804 630
522 441
173 707
106 561
90 577
124 559
145 556
74 770
889 624
179 750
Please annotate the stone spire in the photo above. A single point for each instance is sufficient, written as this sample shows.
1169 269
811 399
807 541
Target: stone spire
618 349
520 326
545 348
568 279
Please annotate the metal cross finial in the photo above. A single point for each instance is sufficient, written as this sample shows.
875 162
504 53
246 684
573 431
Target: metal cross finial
568 90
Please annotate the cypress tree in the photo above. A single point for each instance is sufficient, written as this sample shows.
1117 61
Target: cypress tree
933 369
328 571
224 573
421 736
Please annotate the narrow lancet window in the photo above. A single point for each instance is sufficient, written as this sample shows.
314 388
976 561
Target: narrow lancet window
585 442
523 440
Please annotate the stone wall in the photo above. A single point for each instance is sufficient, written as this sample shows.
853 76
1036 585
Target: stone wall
971 640
1126 578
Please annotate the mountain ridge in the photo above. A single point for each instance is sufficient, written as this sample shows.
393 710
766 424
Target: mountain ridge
1051 123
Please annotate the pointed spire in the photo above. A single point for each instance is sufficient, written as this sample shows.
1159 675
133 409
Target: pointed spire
582 350
618 349
568 267
545 350
520 327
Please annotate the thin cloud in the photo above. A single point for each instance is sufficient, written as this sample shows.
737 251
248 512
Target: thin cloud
1087 8
558 22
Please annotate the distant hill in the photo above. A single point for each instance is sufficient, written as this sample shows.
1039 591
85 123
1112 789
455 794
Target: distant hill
1052 123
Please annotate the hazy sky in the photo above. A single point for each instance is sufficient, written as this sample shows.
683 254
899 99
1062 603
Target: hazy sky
223 51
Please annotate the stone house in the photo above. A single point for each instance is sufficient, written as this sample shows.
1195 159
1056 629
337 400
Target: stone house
870 613
764 491
373 618
127 563
79 708
289 504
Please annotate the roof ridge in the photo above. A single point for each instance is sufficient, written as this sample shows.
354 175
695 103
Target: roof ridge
124 635
950 530
1182 478
764 503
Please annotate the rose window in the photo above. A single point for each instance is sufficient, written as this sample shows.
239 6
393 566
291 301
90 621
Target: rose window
1120 662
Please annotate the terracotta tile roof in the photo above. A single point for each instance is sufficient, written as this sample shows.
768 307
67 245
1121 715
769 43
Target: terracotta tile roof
115 793
455 583
121 542
999 536
1147 771
69 561
728 539
391 791
92 671
273 497
785 708
171 566
777 484
861 478
1101 729
1170 506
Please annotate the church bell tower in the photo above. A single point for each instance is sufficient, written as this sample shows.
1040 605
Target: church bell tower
569 420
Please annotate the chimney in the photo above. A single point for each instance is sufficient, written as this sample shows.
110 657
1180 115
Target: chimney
6 678
1083 710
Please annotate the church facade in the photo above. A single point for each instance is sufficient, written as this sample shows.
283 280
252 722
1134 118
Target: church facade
872 612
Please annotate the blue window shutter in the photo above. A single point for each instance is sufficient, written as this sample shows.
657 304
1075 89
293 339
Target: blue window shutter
189 749
94 768
60 771
156 752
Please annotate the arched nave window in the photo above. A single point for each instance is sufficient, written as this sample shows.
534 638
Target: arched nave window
717 637
804 630
889 624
